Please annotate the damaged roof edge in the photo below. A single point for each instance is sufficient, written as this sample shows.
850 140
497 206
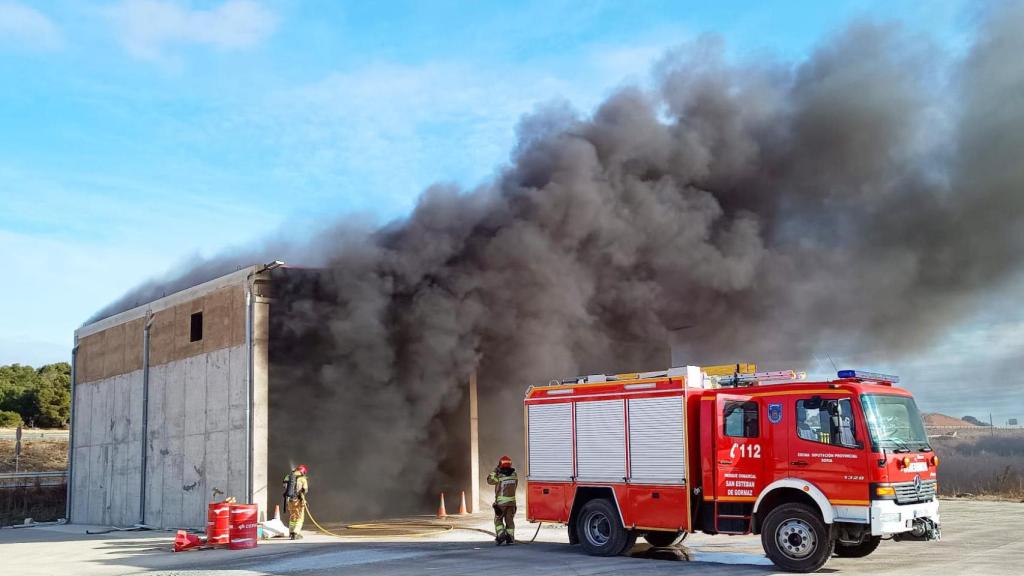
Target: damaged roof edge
236 277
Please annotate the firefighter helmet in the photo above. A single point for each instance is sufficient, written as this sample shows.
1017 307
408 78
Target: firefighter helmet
504 462
302 468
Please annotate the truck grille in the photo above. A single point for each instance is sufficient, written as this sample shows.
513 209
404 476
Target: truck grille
913 492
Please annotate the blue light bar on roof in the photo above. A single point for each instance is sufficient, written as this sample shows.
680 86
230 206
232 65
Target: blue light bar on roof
863 375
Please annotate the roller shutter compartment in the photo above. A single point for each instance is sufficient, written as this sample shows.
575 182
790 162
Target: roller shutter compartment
656 451
550 437
601 440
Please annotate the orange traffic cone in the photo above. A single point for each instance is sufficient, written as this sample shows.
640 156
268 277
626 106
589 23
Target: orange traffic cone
462 505
441 512
277 512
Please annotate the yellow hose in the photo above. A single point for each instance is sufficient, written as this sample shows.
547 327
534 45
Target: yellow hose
438 528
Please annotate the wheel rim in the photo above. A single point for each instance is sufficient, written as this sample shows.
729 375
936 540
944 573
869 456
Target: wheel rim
598 529
795 538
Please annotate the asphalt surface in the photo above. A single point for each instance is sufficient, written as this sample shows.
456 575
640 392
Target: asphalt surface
978 538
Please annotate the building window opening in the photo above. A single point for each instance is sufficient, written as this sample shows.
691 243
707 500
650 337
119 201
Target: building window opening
195 332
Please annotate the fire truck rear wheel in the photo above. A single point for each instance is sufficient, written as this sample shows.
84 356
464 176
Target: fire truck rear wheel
599 529
796 539
664 539
858 550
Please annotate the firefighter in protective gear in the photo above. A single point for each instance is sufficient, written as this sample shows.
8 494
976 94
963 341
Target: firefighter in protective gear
296 486
505 482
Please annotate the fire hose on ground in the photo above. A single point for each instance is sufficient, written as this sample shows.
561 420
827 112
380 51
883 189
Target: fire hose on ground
417 528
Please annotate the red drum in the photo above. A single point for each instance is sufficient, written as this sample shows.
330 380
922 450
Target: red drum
243 526
218 524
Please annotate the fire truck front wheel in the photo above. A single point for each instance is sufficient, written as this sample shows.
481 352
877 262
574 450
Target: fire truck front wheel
599 530
795 538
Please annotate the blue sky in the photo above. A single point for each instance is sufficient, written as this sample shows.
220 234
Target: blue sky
135 134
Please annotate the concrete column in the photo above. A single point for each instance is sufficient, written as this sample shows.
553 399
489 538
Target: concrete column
474 446
144 436
260 424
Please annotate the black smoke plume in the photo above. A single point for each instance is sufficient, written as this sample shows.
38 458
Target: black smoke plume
864 198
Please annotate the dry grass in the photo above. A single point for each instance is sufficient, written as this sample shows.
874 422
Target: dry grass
990 465
41 503
36 456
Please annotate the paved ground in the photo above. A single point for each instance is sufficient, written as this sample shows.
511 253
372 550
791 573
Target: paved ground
978 538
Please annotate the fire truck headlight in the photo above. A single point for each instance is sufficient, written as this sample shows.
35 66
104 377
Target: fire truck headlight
885 492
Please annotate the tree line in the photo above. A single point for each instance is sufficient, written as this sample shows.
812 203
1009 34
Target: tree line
37 397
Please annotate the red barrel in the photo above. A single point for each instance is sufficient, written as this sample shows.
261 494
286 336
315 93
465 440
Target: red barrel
243 526
218 523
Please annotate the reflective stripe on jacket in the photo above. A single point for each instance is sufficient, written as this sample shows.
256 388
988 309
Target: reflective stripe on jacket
505 483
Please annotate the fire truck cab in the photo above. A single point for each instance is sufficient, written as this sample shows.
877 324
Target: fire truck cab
815 468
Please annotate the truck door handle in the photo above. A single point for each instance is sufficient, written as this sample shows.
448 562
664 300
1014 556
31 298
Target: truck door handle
798 463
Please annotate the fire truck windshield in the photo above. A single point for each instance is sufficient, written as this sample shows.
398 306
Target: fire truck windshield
893 422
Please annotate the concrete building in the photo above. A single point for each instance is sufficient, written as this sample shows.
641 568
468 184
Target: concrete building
175 403
169 406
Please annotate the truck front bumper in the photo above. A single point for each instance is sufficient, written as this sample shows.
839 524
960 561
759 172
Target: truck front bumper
888 517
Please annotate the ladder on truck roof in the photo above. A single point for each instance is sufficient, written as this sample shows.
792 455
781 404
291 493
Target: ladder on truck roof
739 380
598 378
719 376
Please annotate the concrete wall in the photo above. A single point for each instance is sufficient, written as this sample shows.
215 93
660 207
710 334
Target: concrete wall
197 436
107 450
197 444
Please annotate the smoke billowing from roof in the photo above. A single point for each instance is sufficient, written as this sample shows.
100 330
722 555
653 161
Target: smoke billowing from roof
868 196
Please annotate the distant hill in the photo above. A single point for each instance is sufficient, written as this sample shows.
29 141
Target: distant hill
936 419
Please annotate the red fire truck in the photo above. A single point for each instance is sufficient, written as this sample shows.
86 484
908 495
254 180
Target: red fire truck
815 468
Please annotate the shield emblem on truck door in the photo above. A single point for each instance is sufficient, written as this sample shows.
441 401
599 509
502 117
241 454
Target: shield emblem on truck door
775 413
